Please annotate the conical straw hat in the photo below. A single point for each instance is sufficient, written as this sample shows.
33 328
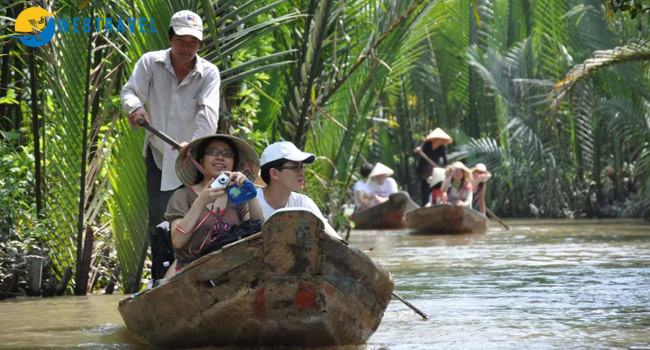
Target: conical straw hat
248 164
437 176
381 169
439 134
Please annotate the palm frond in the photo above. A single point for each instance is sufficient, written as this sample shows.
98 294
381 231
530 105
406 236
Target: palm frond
600 60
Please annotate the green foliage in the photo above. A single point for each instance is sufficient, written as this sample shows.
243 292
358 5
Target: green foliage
21 232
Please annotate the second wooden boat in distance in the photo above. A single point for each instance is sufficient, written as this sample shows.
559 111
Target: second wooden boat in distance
446 218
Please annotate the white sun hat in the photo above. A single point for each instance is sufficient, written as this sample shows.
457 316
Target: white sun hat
481 169
187 23
437 176
381 169
285 150
459 166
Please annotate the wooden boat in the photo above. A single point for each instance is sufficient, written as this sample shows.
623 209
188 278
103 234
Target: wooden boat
446 218
291 284
385 215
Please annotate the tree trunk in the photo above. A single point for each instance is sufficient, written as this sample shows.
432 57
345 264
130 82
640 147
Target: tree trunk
35 132
63 284
83 269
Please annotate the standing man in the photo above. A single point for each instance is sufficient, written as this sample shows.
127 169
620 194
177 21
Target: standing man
181 93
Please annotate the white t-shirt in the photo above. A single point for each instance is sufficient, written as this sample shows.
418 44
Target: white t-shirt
296 200
359 186
385 190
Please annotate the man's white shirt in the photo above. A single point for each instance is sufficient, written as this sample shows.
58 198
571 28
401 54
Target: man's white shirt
184 111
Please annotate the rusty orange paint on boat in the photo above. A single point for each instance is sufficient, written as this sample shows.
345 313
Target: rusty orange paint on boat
306 296
259 304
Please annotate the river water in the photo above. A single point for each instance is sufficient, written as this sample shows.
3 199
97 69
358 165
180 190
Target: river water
541 285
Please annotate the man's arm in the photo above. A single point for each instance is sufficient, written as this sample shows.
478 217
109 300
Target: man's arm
136 91
207 116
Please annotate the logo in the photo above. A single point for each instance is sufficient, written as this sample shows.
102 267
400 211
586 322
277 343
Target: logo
190 19
36 26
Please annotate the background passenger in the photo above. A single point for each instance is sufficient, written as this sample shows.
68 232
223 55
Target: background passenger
380 184
458 185
363 198
436 196
480 175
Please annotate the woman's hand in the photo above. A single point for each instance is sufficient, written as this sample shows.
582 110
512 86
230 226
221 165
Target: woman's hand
209 194
235 178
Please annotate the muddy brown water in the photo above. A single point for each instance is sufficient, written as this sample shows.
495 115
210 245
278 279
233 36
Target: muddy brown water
542 285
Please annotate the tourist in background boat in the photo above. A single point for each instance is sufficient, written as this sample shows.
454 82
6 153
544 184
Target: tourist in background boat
480 175
199 213
363 198
283 170
380 184
458 185
436 195
434 147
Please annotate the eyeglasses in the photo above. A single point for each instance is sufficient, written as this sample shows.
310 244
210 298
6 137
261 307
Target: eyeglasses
295 168
226 153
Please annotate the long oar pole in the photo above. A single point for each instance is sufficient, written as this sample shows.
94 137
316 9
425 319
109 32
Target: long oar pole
493 215
143 123
422 314
425 157
418 311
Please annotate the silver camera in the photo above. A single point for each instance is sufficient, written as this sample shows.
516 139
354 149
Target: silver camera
220 181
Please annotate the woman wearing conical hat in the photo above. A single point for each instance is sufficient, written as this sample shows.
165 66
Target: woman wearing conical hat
201 212
381 184
480 175
434 147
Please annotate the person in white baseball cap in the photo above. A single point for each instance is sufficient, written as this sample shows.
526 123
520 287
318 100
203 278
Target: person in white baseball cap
187 23
177 92
283 170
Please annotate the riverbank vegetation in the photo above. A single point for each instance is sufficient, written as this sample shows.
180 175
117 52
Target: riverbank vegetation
551 95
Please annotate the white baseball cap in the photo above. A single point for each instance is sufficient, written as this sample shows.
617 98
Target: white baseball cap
285 150
187 23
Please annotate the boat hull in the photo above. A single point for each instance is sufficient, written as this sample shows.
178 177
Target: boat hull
446 218
386 215
291 284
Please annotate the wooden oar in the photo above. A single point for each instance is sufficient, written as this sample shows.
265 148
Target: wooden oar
422 314
425 157
494 216
418 311
143 123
